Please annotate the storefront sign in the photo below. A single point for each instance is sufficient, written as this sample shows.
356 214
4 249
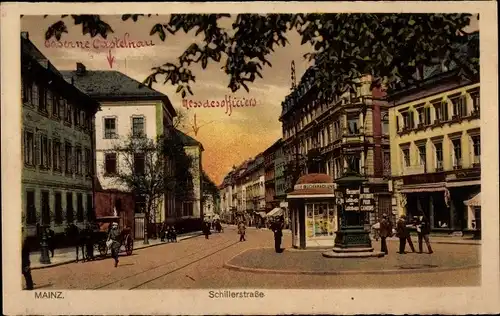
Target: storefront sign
352 200
328 186
367 205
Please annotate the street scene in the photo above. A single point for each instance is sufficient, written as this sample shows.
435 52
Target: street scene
191 151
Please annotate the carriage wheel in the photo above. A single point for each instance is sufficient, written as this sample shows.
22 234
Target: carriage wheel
129 245
103 249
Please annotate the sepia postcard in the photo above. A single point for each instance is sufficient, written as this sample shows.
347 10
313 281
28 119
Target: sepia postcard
250 158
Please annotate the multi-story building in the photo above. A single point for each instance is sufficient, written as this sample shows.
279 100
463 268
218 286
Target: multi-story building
57 145
226 196
436 149
192 208
349 133
208 206
270 175
128 109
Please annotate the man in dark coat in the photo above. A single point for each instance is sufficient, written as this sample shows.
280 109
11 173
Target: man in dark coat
114 235
26 264
423 231
277 229
403 235
385 231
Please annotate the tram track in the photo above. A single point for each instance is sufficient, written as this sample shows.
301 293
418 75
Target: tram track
226 245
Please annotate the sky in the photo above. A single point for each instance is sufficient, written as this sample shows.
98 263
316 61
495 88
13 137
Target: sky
227 139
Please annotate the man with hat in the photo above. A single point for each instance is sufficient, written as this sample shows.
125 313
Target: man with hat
385 231
113 242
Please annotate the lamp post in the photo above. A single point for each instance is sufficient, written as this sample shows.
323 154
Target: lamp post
44 247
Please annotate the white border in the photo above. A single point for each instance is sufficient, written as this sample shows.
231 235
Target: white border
474 300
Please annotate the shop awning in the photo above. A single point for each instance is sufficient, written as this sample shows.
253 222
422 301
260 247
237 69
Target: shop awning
277 211
463 183
475 201
430 187
262 214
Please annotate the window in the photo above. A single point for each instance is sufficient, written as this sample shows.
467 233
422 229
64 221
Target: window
45 208
110 163
424 116
352 126
385 124
29 148
475 101
422 154
408 120
79 210
78 160
62 107
27 91
187 209
42 100
55 105
109 128
138 126
441 109
77 117
44 150
68 112
457 153
354 163
69 207
35 96
439 155
139 164
387 164
49 99
88 161
90 209
459 109
406 157
476 143
30 207
56 155
68 158
57 207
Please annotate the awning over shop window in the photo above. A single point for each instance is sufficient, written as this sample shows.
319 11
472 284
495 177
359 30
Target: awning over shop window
277 211
456 184
262 214
475 201
431 187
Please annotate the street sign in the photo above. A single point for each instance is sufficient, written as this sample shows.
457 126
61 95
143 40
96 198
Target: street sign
367 205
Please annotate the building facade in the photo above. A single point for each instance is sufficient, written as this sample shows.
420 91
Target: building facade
270 176
348 133
129 109
57 145
436 151
192 208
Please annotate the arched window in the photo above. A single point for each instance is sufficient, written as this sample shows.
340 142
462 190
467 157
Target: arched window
385 123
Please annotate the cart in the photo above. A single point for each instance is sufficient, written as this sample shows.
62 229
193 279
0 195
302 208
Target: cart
125 240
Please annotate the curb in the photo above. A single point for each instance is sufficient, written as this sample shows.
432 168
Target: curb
346 272
135 249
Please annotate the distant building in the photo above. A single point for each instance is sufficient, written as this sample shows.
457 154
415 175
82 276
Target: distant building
57 145
436 151
192 208
208 206
128 109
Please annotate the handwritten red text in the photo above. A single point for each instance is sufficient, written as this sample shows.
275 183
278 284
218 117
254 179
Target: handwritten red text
228 103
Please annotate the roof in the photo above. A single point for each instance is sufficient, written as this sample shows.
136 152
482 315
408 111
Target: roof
272 148
315 178
187 140
110 85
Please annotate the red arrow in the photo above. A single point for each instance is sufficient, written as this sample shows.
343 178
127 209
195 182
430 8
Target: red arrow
110 59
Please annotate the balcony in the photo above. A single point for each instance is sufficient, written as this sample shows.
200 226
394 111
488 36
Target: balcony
410 170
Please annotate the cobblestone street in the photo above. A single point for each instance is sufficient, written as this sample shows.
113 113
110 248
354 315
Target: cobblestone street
198 263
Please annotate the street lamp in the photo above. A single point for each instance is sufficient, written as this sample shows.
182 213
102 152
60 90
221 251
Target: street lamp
44 246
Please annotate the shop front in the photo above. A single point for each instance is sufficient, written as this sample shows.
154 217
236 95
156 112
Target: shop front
313 211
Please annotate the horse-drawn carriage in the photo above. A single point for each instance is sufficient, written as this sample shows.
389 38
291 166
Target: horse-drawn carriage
104 226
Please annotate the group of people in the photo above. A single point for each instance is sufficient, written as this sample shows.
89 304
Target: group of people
403 233
168 232
277 228
207 226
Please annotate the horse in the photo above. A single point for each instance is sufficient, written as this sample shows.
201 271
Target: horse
84 239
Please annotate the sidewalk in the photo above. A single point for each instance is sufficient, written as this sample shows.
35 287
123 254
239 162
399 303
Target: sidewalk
68 255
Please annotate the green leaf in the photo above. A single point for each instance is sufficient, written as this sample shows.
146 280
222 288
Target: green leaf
179 88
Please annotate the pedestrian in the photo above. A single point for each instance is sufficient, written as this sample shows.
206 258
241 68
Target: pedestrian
26 263
404 235
206 229
385 231
277 229
51 240
423 231
113 243
163 231
241 231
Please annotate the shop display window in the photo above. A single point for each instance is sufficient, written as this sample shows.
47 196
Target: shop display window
320 219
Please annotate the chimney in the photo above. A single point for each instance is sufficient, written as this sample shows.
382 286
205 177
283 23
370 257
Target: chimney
26 35
80 69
